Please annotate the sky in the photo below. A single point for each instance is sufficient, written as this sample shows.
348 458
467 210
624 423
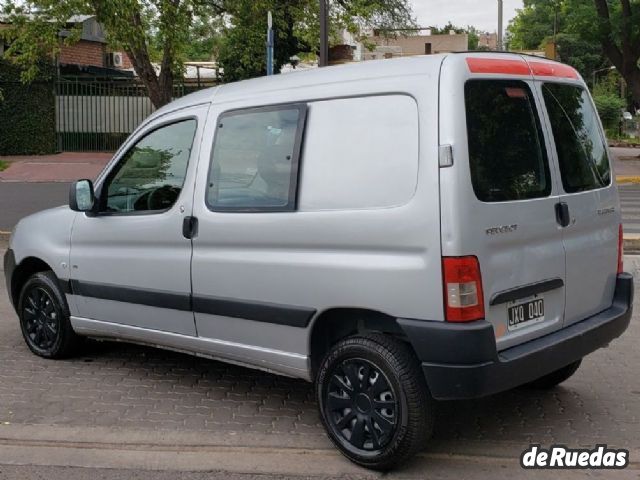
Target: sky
482 14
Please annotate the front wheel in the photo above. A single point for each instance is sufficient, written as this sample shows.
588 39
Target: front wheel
44 317
374 401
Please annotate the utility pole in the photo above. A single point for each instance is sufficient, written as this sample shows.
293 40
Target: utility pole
270 44
500 40
324 34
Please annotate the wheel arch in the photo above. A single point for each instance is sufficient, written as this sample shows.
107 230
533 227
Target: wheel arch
334 324
23 271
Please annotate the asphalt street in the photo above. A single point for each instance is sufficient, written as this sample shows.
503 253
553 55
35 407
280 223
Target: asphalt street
630 205
18 200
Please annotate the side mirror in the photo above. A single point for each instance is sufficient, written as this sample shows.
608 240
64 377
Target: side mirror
81 196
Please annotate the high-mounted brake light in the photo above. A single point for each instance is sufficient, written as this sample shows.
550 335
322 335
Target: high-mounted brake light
620 250
462 285
520 67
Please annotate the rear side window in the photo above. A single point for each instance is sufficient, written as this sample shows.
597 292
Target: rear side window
255 160
507 157
582 153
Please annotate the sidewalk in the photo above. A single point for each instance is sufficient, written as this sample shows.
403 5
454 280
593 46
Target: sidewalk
63 167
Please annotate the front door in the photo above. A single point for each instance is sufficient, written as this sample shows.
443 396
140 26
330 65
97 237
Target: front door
130 263
589 198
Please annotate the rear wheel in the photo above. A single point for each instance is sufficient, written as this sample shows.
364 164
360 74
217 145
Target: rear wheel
44 317
374 401
555 378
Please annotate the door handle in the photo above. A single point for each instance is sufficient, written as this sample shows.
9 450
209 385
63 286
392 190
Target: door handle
562 214
189 227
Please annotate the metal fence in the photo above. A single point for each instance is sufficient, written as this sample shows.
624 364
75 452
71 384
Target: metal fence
98 114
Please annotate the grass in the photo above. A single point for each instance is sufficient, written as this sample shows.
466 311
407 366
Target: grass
3 165
630 141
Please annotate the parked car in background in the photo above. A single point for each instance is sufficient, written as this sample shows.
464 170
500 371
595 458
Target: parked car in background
397 232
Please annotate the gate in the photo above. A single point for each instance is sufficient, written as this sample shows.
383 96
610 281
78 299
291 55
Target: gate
98 114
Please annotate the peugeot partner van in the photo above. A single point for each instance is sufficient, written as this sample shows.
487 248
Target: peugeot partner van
397 232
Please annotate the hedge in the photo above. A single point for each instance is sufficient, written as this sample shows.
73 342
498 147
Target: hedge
27 113
610 110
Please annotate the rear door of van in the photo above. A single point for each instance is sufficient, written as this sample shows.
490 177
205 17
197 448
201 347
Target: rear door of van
499 193
589 206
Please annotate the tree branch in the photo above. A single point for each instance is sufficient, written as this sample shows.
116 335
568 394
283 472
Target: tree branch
606 35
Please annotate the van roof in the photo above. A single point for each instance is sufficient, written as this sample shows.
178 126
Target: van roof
350 72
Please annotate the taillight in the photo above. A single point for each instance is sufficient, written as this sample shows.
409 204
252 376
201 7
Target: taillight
620 250
462 289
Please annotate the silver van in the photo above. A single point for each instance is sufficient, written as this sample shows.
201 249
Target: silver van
398 232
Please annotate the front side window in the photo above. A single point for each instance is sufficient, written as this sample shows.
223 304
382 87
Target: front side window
255 160
582 153
507 157
151 174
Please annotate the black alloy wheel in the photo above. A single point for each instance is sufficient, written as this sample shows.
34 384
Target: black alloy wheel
361 405
41 319
374 401
44 317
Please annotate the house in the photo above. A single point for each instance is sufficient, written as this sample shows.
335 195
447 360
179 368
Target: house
488 41
88 56
410 45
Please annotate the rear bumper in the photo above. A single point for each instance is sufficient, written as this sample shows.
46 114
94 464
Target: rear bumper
461 361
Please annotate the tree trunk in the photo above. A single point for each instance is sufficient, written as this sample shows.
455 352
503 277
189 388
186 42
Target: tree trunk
633 84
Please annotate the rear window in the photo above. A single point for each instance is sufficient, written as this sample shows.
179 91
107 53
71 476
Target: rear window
506 152
582 153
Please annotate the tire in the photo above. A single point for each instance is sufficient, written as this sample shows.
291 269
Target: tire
554 379
391 415
44 318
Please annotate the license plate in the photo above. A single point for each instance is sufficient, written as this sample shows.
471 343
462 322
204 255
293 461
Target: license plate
523 313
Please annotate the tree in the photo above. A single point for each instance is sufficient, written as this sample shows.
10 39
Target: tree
166 32
534 23
134 26
297 29
619 34
584 55
591 34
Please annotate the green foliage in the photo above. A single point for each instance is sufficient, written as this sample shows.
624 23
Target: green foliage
534 23
27 113
609 108
591 34
205 39
584 55
147 30
3 165
297 29
243 49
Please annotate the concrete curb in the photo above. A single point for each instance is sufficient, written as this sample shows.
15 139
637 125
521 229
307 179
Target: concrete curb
628 179
631 243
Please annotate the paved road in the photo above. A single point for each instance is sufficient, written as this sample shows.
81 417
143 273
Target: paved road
630 205
114 393
18 200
